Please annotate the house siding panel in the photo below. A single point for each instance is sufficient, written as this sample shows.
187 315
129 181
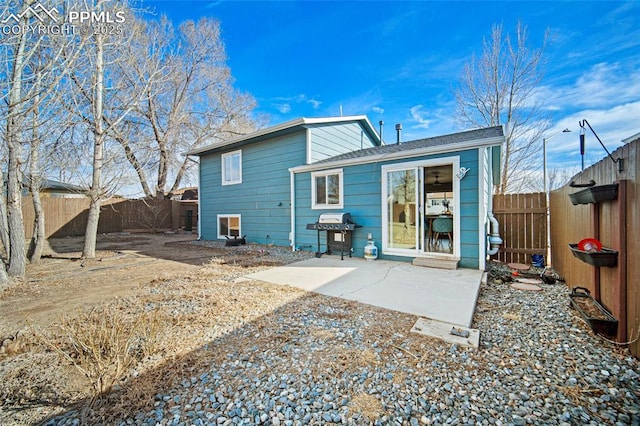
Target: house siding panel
263 199
469 210
328 141
362 198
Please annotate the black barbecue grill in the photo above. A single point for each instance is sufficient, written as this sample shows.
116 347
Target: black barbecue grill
339 227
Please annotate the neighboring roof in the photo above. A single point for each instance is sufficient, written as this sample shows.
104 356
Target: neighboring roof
54 185
455 141
190 195
287 127
631 138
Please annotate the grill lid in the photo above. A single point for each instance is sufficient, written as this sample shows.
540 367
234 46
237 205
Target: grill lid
335 218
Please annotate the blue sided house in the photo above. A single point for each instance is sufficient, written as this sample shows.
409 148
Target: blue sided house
426 201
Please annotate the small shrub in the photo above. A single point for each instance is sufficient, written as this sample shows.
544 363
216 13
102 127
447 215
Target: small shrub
104 343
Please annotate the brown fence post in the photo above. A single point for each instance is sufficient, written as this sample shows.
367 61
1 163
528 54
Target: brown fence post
175 214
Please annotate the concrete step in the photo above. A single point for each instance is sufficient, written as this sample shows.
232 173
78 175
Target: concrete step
450 333
431 262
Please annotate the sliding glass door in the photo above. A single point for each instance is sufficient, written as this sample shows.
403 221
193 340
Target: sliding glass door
420 211
402 213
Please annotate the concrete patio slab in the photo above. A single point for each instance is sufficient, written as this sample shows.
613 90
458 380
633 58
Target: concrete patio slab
444 295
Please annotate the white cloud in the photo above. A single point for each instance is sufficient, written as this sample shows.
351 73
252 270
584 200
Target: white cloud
214 4
607 95
419 117
284 108
314 103
358 104
612 125
603 85
377 110
285 104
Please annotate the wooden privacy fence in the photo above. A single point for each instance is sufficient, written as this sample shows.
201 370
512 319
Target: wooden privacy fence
66 217
616 224
522 226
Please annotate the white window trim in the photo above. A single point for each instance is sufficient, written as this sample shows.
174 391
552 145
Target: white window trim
224 237
314 204
222 160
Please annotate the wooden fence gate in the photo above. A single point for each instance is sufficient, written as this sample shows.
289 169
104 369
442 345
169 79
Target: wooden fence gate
522 219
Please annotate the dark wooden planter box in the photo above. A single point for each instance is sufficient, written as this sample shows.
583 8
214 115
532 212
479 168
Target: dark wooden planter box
599 319
595 194
605 257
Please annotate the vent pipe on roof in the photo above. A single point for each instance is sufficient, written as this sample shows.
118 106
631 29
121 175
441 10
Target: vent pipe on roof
381 125
398 131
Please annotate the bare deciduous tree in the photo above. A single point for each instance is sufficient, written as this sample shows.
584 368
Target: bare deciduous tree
499 88
189 100
150 92
102 95
38 237
26 82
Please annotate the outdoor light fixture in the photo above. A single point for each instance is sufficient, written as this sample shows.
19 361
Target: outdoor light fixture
582 146
462 172
618 161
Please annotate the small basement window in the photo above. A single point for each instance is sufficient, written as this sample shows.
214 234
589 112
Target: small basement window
326 189
228 226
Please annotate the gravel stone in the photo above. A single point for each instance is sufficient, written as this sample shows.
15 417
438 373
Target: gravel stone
330 361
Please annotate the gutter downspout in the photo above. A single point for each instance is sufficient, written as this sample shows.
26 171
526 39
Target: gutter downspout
199 201
292 204
493 239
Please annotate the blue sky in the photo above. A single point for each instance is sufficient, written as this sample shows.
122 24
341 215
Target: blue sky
399 61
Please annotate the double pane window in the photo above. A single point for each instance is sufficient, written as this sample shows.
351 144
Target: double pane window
327 189
232 168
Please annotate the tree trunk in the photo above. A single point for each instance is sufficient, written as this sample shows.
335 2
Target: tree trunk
137 167
4 226
3 275
162 171
34 252
17 255
91 233
39 237
95 192
4 233
179 176
15 222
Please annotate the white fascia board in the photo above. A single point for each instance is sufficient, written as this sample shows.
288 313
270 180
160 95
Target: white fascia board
362 118
283 126
432 150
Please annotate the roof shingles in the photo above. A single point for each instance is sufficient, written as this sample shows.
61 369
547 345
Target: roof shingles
454 138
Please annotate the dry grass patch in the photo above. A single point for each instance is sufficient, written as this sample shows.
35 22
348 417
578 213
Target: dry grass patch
322 333
367 405
398 377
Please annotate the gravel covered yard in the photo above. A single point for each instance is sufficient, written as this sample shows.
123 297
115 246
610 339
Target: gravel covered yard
212 350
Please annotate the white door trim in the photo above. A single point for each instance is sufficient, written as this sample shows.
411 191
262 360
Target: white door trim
454 161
